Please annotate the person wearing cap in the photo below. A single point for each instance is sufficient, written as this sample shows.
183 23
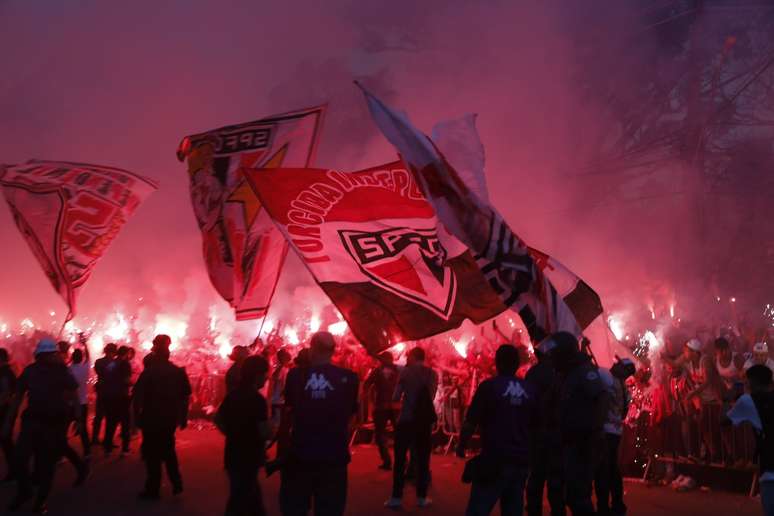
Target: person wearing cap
760 356
546 468
320 402
503 407
238 355
608 482
701 399
160 400
583 408
382 380
757 408
100 367
52 394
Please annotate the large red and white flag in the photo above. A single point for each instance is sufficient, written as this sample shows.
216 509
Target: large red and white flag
69 213
521 276
373 243
243 251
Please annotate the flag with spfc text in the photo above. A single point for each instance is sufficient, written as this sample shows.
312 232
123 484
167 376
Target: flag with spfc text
243 251
374 245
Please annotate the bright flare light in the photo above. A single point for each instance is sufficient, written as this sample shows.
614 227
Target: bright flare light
27 325
292 336
461 346
176 329
672 311
224 346
338 328
314 324
119 330
616 326
268 326
653 342
400 347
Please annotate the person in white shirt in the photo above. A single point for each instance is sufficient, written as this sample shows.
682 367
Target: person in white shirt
757 408
760 356
80 368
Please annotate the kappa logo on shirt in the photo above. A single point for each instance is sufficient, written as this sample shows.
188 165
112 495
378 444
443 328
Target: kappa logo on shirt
515 392
319 385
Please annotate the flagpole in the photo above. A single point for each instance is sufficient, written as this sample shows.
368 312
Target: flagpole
67 320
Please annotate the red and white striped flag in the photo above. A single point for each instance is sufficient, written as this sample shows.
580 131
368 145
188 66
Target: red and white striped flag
518 274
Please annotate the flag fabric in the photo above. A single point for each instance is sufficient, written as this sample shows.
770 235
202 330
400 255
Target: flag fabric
373 243
519 276
243 251
69 213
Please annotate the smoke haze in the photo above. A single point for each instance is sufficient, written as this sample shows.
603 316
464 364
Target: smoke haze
119 83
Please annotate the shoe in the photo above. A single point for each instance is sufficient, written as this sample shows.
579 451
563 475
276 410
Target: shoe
151 497
393 503
177 489
18 501
424 502
386 466
40 507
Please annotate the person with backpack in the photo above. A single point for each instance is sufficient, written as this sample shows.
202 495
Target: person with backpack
416 389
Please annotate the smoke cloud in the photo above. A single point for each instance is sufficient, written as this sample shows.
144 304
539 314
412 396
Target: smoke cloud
120 83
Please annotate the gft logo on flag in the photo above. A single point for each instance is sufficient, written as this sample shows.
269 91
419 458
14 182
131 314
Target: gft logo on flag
515 392
318 384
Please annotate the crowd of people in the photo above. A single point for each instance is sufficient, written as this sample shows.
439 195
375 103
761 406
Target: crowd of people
547 420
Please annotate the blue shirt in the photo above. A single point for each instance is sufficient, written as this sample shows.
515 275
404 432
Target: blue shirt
322 399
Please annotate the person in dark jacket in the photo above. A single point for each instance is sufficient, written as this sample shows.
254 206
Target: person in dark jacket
51 393
320 401
583 406
243 419
546 469
7 391
503 408
383 380
116 384
416 389
100 366
160 399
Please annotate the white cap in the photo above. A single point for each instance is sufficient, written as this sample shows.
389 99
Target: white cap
760 347
694 344
46 346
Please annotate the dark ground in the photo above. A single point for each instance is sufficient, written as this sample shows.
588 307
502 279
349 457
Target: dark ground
114 483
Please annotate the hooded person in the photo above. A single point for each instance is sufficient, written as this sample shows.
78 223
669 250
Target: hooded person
583 405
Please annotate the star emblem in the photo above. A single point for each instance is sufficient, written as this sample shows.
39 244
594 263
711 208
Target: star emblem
243 193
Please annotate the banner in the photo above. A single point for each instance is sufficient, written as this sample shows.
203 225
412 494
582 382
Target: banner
243 251
69 213
514 273
373 243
